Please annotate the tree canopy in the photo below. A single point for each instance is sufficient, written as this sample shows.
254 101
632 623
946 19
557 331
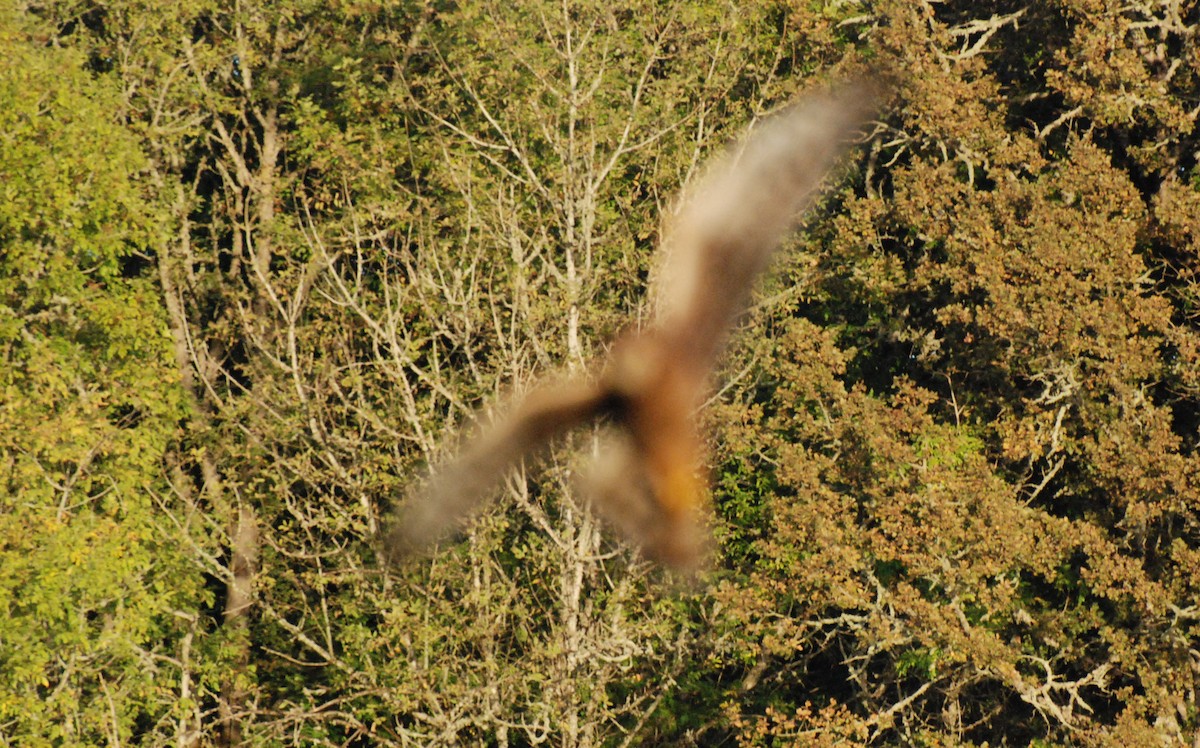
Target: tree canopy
262 262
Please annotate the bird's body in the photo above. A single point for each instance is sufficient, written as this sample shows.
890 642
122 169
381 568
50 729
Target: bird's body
648 481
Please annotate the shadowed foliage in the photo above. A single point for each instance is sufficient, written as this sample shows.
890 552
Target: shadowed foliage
261 263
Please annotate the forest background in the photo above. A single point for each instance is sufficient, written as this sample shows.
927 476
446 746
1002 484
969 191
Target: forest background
260 261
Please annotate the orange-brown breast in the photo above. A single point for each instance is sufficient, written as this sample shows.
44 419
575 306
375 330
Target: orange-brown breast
659 393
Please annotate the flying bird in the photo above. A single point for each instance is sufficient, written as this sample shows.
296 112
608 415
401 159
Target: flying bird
648 482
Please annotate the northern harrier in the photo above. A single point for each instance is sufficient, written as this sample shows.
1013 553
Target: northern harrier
648 484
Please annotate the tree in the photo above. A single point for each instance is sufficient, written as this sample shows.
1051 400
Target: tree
97 612
526 252
980 466
956 444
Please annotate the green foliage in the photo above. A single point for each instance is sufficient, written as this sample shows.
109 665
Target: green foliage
90 582
956 447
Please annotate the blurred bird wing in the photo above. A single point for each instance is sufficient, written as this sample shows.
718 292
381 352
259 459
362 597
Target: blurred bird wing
458 488
728 225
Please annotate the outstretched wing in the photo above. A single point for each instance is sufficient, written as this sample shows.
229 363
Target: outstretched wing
455 490
728 225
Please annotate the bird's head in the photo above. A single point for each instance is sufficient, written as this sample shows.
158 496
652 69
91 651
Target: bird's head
638 364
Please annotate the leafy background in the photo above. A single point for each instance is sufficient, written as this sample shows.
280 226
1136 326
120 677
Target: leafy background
261 261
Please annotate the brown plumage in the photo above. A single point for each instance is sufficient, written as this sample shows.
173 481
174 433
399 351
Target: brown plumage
647 480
